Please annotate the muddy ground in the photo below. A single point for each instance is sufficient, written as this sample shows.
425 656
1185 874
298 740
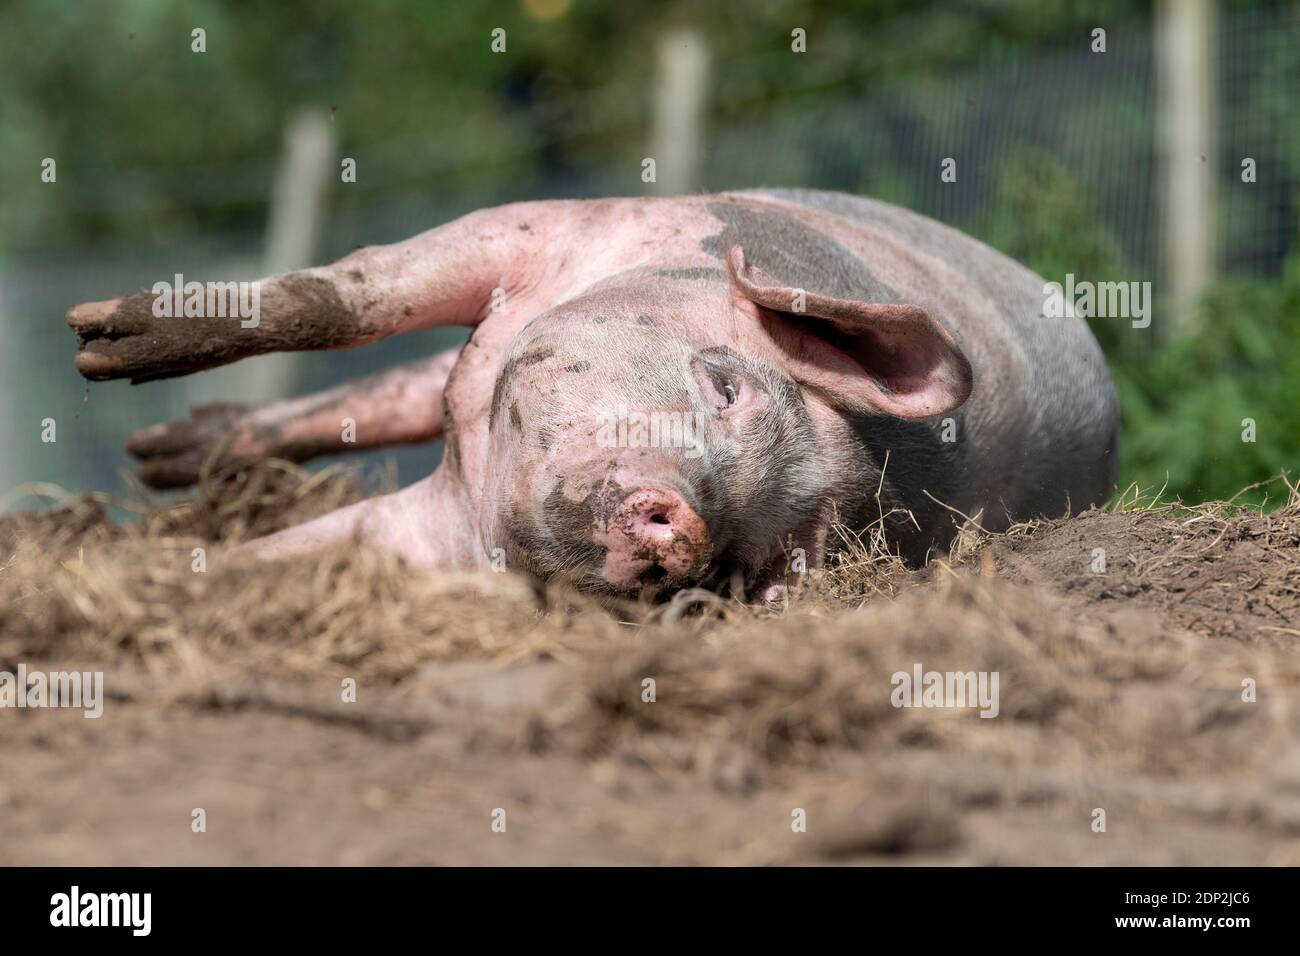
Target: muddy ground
1119 690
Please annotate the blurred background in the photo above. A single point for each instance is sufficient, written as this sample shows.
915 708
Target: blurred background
1165 149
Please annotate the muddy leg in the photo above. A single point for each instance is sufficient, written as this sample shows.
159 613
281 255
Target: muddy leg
398 406
442 277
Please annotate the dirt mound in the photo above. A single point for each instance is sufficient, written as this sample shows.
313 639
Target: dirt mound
1213 569
1146 662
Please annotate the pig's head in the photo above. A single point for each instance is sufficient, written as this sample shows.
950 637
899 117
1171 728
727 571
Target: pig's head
696 426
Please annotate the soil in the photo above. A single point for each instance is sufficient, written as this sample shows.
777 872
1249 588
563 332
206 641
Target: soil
1156 691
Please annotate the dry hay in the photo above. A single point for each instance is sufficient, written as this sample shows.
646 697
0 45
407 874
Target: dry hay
1123 686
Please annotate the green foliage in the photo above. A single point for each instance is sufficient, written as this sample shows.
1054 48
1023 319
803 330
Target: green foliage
1184 396
154 141
1042 218
1184 403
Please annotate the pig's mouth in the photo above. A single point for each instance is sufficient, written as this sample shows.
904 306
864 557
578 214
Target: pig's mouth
647 542
750 578
772 574
657 585
751 581
615 542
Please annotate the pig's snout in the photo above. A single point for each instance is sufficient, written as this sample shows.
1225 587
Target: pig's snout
654 534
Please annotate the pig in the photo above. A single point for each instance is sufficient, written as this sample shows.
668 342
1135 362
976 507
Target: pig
659 393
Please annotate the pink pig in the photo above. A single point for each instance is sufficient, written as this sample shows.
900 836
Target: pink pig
660 392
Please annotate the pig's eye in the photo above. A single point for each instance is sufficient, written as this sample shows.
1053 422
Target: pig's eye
722 384
725 391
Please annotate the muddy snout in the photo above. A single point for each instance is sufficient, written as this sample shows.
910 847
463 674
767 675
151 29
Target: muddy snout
654 535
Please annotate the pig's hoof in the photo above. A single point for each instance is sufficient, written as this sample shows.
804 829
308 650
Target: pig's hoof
122 338
176 454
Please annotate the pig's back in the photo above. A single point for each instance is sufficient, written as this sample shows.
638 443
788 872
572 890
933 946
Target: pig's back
1044 428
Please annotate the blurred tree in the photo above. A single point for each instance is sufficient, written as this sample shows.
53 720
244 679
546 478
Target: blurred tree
155 140
1042 218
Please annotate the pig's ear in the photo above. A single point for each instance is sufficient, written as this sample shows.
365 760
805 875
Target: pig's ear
864 356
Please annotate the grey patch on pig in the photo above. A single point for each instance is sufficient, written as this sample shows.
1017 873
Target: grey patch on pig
578 367
530 550
793 253
531 357
561 544
1045 459
931 237
515 418
498 397
1001 279
697 272
918 464
450 436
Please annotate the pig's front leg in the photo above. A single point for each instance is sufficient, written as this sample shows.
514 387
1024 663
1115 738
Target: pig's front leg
426 524
397 406
446 276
